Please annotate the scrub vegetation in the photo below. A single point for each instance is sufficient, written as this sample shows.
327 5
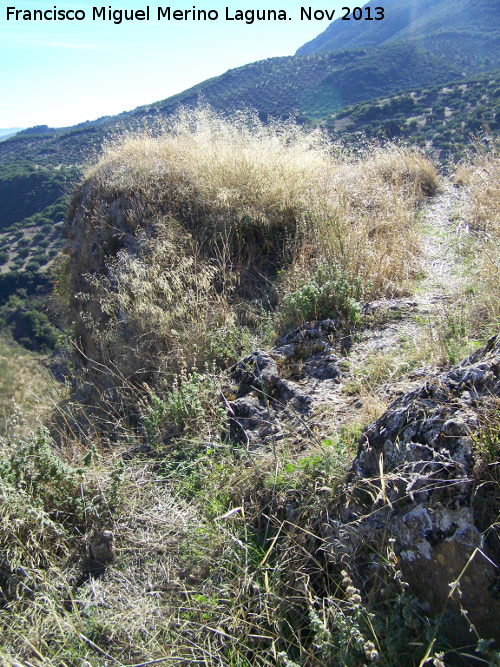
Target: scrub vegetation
208 224
189 245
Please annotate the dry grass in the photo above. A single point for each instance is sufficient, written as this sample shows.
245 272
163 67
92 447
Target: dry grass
482 215
186 242
178 234
219 561
27 390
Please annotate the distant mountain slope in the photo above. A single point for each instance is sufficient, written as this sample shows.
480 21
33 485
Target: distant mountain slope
413 20
429 73
419 44
8 132
37 165
317 84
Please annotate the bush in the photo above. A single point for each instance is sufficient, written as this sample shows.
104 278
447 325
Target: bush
35 468
188 403
328 293
32 266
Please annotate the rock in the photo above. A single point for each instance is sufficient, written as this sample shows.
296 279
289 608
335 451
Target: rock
393 306
101 546
415 480
276 391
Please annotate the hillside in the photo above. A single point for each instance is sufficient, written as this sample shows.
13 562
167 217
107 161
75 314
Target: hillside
415 46
445 120
424 90
277 445
470 25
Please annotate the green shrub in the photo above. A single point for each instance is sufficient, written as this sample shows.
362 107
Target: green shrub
32 266
184 407
34 468
328 293
41 258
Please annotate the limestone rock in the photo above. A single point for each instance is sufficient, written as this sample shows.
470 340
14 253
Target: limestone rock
415 479
277 391
101 546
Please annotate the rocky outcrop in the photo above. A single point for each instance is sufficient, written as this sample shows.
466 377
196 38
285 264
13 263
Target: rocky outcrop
275 392
417 480
419 484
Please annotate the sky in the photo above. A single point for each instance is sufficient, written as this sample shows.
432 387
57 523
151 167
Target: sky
63 72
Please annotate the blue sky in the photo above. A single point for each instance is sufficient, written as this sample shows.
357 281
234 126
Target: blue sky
61 73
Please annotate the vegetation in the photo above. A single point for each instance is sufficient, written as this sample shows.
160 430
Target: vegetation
443 120
462 31
197 241
197 236
209 214
40 166
481 221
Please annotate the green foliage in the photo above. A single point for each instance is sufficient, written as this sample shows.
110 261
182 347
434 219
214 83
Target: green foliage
29 323
13 280
34 469
328 293
448 116
226 345
187 404
26 190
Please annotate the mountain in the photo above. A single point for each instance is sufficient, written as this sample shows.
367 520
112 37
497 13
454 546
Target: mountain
5 133
318 84
471 24
312 86
9 130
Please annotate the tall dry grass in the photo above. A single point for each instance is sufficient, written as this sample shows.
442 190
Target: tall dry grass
481 213
177 235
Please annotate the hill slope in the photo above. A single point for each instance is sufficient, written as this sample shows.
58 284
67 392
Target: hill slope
415 46
429 20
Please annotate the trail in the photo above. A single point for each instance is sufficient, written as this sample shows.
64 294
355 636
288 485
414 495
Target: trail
322 383
398 346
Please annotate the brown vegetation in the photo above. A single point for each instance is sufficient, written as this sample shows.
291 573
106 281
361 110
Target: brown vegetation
179 234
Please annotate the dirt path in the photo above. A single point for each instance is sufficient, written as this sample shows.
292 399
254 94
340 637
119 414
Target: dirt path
410 320
398 352
440 234
319 386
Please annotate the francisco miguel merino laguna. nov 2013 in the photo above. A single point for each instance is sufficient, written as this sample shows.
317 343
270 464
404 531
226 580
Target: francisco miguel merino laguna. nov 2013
117 16
249 16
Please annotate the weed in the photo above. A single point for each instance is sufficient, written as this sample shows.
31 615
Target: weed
328 293
482 220
187 407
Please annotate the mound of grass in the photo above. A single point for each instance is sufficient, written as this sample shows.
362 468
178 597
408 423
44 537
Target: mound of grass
207 223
